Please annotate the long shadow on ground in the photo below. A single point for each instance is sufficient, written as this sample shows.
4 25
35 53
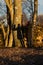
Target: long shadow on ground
26 60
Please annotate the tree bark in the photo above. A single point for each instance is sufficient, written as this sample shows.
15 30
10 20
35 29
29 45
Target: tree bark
34 19
15 19
8 43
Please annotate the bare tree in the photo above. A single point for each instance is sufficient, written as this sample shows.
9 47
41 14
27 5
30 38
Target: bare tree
9 42
15 20
34 19
15 10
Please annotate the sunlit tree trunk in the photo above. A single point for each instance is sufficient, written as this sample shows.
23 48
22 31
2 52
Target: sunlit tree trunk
34 18
2 35
3 29
17 19
10 7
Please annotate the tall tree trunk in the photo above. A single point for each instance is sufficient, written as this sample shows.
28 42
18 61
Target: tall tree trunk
17 19
34 19
8 43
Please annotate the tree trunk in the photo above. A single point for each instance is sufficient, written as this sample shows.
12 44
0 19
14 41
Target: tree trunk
17 19
9 42
34 19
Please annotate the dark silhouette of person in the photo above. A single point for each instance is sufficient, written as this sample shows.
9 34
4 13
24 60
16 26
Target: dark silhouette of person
24 32
19 35
27 30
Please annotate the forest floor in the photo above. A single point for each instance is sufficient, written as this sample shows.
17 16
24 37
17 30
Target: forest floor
21 56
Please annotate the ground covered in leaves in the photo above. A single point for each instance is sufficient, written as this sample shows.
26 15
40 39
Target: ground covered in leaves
21 56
